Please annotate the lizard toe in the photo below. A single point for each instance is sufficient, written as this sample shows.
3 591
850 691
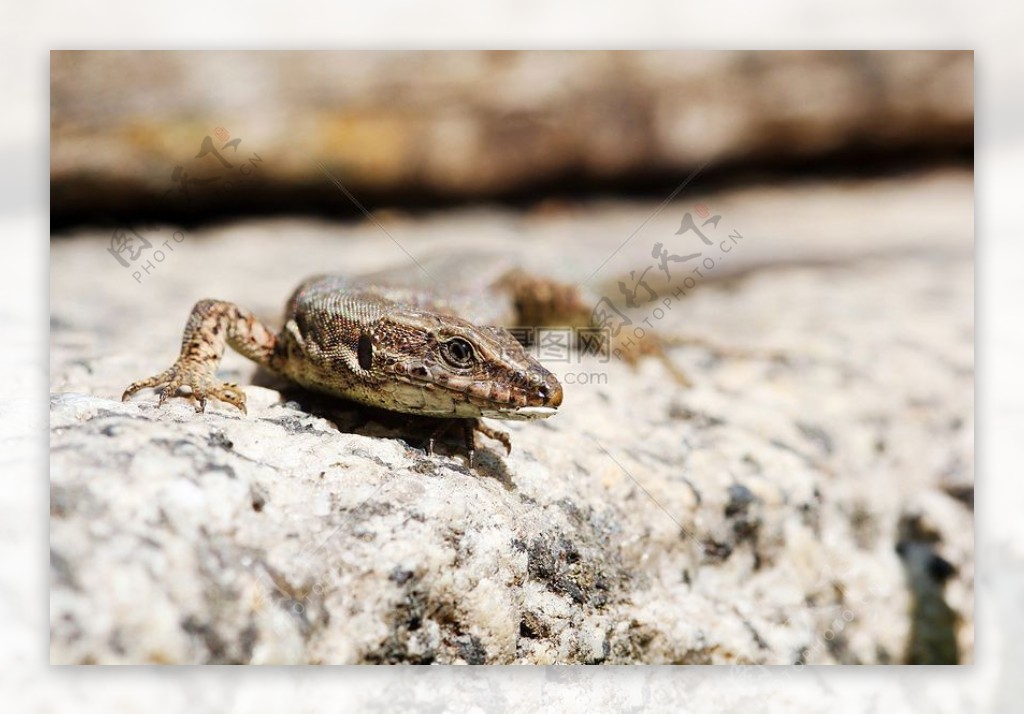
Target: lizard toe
153 381
171 389
230 393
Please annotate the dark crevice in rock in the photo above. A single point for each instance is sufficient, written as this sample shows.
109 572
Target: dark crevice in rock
932 639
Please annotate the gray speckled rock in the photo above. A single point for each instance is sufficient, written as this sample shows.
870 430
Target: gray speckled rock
752 519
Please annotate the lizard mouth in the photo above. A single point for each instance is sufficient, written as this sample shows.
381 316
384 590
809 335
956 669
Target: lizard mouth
519 413
532 413
546 399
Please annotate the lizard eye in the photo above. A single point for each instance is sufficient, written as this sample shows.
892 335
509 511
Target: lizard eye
458 352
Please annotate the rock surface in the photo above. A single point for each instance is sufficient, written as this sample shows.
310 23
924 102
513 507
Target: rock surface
809 501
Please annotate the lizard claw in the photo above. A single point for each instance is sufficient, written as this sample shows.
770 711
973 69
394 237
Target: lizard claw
160 379
227 392
195 383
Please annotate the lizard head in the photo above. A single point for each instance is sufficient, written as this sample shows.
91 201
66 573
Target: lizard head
442 365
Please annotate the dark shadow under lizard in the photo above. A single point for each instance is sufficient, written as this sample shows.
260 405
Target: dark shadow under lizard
437 435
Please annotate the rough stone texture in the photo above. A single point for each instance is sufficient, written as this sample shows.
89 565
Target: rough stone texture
795 505
474 123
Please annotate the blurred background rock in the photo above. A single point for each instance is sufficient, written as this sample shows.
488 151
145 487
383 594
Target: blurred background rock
419 128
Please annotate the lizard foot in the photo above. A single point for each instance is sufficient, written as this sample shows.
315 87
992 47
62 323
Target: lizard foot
193 382
469 429
477 425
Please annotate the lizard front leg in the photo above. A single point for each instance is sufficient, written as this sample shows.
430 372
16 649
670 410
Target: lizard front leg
212 325
478 425
469 429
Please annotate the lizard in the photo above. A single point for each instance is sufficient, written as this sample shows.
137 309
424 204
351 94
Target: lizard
398 345
390 346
